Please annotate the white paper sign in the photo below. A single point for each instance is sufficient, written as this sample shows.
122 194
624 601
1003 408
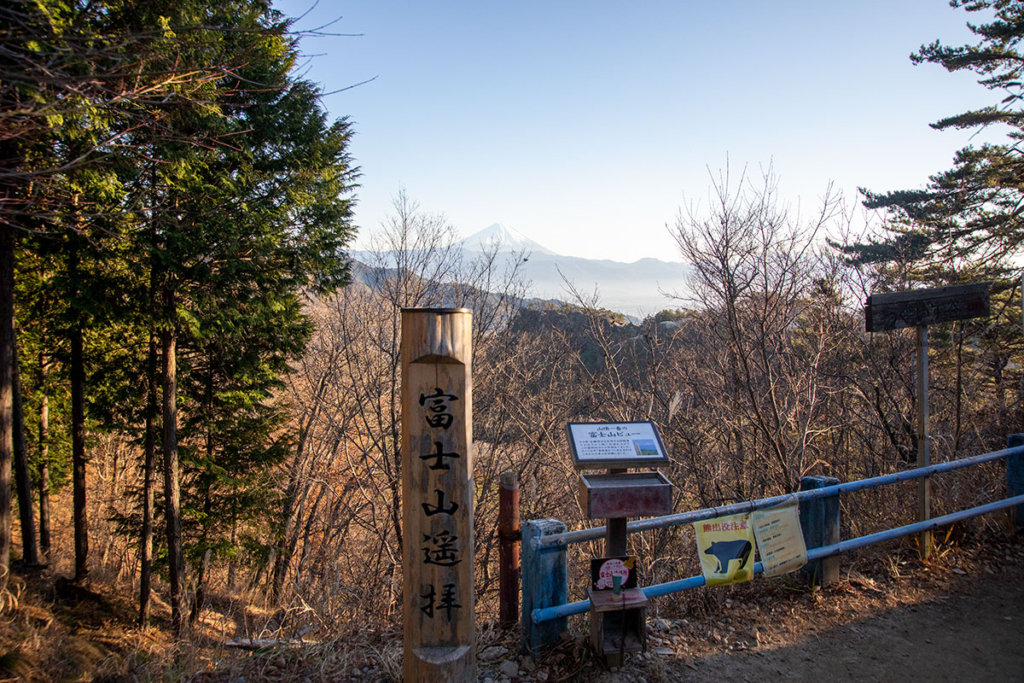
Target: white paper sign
616 444
780 541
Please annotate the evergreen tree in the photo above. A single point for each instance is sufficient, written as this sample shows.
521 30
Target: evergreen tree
969 216
966 224
252 219
73 82
172 180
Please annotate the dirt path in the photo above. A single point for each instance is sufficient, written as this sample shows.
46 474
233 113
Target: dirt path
890 618
977 635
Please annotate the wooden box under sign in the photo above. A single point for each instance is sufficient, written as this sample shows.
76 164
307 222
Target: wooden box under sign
633 494
618 623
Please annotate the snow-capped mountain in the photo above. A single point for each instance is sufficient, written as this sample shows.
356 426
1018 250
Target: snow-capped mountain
505 237
636 289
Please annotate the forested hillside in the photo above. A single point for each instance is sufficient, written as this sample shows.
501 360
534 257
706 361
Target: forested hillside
172 194
200 406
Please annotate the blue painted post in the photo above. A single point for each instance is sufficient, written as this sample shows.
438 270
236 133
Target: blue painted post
1015 478
819 521
545 584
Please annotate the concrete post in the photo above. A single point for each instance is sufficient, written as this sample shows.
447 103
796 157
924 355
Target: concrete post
545 584
819 521
1015 479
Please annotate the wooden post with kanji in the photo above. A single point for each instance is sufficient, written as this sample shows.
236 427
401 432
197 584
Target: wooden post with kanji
437 495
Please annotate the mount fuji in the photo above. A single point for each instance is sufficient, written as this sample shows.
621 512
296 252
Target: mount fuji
635 289
505 238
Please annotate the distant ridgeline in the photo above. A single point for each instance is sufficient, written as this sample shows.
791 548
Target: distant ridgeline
588 332
634 289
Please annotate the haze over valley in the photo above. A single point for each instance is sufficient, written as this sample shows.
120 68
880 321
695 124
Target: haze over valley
635 289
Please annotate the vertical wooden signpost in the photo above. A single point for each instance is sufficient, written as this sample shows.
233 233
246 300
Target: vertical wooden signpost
437 495
617 614
920 308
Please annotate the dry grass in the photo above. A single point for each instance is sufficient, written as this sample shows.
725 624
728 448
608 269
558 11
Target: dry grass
48 633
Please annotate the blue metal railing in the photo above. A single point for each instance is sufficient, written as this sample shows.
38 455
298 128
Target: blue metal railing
540 546
658 590
595 533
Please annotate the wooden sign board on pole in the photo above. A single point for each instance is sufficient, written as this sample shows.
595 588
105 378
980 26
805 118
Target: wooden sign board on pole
616 445
921 307
437 495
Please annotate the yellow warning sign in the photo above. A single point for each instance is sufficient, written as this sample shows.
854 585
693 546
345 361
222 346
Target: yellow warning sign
726 549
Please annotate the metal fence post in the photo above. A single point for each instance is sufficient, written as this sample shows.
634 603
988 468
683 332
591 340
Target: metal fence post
819 520
1015 478
508 549
924 451
545 584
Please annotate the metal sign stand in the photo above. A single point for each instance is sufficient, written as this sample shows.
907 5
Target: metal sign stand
920 308
924 454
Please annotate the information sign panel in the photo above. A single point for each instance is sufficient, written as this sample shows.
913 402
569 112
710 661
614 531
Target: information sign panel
920 307
615 445
780 541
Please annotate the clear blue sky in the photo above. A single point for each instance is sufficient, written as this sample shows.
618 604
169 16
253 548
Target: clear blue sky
586 125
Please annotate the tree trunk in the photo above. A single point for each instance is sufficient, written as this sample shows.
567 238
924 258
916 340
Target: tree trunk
172 493
146 569
200 595
6 394
292 509
200 592
23 482
44 461
281 560
149 445
80 512
232 565
284 556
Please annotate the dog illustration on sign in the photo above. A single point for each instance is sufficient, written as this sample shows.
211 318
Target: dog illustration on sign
727 551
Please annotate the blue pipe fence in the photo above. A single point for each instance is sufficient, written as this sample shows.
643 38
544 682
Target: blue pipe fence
545 576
